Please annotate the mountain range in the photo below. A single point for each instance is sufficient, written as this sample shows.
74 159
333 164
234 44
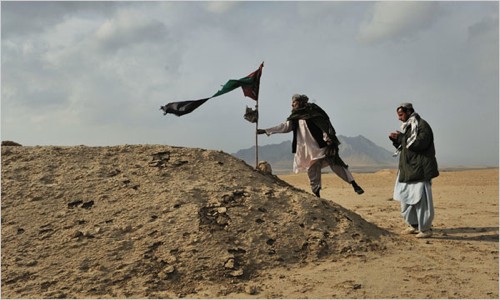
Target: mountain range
361 154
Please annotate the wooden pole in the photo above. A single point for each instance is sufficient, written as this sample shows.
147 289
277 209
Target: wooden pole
257 136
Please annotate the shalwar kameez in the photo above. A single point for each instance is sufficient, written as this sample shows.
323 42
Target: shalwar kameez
417 167
313 134
309 156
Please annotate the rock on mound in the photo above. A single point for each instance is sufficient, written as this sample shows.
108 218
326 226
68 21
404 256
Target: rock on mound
154 221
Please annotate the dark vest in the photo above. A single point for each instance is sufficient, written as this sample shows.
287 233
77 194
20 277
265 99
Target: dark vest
316 132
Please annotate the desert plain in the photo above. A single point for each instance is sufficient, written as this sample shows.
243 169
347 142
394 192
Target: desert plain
154 221
460 261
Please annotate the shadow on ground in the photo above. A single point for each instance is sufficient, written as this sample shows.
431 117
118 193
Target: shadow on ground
488 234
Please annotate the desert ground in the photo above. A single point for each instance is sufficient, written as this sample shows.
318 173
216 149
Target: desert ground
459 261
154 221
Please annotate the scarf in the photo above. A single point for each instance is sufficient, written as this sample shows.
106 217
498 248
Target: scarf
412 125
309 111
317 115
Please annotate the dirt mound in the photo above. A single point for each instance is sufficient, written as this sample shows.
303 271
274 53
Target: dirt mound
156 221
10 143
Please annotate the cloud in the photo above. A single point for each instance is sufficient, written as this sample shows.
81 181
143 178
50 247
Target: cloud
484 30
394 20
483 37
128 29
220 7
97 69
21 18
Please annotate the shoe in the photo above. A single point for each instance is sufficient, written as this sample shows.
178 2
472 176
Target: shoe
358 190
424 234
317 193
410 230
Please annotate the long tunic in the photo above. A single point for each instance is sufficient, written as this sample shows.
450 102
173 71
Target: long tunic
411 193
308 150
417 206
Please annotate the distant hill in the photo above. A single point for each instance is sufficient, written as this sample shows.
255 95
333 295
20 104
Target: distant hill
361 154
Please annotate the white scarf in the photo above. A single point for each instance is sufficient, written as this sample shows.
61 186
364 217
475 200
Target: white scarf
412 122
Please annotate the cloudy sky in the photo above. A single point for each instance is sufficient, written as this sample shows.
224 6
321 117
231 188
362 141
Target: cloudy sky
96 73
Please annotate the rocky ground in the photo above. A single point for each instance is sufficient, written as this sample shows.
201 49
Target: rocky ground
153 221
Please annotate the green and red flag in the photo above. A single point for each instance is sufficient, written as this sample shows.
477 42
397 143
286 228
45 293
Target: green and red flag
249 84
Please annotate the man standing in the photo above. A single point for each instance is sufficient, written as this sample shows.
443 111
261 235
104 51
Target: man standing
315 143
417 167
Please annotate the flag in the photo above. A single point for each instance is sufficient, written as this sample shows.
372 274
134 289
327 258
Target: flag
182 107
252 90
249 84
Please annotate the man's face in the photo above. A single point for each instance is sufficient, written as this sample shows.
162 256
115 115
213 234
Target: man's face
402 116
295 104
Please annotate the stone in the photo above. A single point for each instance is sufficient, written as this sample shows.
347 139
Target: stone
264 167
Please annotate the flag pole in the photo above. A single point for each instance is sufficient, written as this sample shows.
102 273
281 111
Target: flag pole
256 135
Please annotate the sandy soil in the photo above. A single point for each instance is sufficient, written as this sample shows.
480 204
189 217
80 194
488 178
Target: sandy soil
153 221
460 261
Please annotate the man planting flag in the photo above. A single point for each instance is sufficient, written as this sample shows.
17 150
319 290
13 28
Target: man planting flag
315 144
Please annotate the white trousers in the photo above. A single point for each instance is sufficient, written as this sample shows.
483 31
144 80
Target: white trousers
314 173
417 207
